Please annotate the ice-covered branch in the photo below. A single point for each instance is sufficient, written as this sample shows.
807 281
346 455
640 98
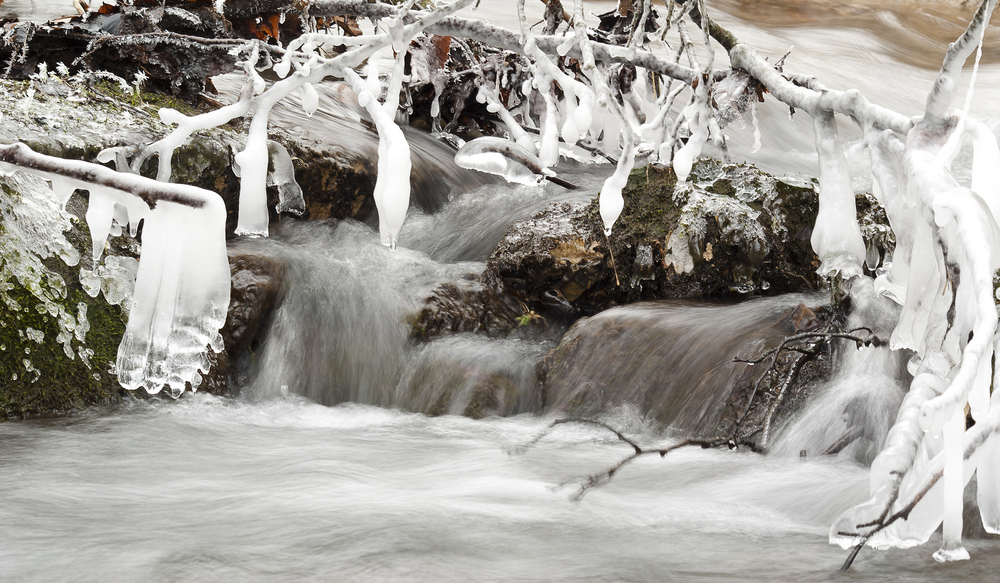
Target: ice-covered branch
506 39
149 191
182 288
850 103
943 92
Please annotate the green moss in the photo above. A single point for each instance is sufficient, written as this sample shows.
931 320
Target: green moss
37 376
145 100
53 382
650 208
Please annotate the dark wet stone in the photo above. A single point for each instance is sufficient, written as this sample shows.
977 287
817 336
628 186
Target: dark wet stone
257 285
470 308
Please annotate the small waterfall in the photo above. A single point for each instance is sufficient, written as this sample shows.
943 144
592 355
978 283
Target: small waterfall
859 404
473 376
341 332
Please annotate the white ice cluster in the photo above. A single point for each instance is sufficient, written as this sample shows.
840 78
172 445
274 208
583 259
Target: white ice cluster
34 223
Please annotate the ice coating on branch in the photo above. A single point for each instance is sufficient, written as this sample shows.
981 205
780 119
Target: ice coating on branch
697 114
836 238
503 158
290 199
487 94
392 185
950 239
548 152
611 202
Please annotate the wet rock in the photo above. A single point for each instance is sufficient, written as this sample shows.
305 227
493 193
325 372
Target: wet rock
59 333
734 231
257 285
675 362
469 308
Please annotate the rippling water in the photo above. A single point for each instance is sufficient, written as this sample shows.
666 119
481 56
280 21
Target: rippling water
208 489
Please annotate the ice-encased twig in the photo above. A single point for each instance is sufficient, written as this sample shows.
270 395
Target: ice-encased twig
943 91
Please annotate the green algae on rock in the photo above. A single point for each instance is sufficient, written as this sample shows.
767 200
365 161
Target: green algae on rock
58 341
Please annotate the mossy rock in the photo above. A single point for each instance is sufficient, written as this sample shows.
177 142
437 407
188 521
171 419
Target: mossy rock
38 378
732 232
58 345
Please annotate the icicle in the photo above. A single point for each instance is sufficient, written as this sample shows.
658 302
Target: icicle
253 180
63 189
954 484
756 127
988 473
487 94
836 238
549 149
392 185
310 99
611 202
181 298
697 114
282 67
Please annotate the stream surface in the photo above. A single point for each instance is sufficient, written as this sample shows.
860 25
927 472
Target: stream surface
319 472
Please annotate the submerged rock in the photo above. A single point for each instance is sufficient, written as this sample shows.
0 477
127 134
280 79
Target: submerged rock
731 232
675 362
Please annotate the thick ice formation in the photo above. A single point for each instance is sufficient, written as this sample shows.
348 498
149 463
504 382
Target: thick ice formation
949 250
836 238
290 199
181 298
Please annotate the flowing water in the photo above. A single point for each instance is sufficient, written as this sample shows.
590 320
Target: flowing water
297 481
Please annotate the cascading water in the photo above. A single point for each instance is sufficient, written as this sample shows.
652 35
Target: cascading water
858 405
342 334
667 358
